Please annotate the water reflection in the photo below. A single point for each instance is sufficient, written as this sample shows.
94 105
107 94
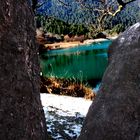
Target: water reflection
83 62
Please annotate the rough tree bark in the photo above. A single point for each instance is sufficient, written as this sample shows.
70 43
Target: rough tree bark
21 113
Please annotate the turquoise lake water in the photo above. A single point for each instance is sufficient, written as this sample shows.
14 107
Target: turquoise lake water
84 63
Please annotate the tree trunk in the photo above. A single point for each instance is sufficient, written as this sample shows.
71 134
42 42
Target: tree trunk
21 113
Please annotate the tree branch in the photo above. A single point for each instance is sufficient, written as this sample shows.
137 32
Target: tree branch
120 7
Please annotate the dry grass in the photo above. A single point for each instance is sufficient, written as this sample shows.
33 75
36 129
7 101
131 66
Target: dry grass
66 87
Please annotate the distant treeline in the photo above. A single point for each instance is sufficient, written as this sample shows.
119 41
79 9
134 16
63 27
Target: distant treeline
71 18
58 26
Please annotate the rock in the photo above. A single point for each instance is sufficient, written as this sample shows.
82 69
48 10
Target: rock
39 32
40 37
80 38
48 34
115 112
58 37
52 38
100 35
41 40
21 112
67 38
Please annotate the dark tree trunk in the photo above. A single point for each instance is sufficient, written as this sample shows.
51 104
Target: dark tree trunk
21 113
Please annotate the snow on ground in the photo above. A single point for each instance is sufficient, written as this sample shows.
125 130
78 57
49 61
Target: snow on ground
64 115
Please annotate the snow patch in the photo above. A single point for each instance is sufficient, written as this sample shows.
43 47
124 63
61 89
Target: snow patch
64 115
122 39
135 26
66 103
138 1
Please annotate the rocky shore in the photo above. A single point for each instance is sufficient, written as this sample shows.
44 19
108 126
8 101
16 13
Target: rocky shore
62 45
49 41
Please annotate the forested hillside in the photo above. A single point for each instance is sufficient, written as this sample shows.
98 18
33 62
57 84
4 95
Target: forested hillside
70 11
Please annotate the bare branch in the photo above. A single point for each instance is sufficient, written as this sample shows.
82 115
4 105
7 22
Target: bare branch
120 7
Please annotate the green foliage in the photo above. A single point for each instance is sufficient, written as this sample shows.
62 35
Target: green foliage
117 29
75 14
57 26
78 29
76 20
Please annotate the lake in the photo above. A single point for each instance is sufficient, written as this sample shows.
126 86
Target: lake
85 63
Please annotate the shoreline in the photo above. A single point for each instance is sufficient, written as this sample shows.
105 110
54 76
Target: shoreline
63 45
